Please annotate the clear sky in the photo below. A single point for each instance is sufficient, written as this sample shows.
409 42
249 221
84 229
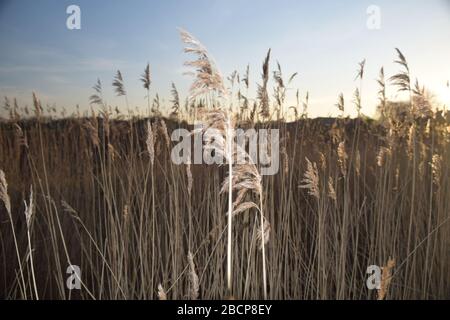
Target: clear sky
321 40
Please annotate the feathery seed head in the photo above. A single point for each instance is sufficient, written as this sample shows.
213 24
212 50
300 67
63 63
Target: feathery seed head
161 293
311 179
342 157
331 190
207 76
118 84
4 192
436 168
193 278
29 208
386 277
145 77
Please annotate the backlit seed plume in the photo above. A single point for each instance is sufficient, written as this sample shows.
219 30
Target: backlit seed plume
175 101
68 208
262 235
21 137
331 190
280 89
311 179
386 277
263 95
207 77
322 161
360 73
436 168
126 212
382 92
342 157
243 206
145 77
193 278
38 110
161 293
29 208
402 79
112 152
7 104
15 110
156 104
97 97
4 192
341 103
383 153
118 85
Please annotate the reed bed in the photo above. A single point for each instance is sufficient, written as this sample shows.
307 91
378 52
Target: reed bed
102 193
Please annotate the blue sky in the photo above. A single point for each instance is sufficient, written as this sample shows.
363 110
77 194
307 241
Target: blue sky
321 40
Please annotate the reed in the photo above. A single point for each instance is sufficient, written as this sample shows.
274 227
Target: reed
106 196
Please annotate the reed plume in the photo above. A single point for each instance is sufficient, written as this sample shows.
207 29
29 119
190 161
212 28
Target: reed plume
29 211
311 179
207 77
360 71
162 295
118 84
331 190
383 152
386 277
146 81
382 93
175 101
262 93
341 103
4 196
342 157
4 192
38 110
436 168
402 79
145 77
193 278
97 96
